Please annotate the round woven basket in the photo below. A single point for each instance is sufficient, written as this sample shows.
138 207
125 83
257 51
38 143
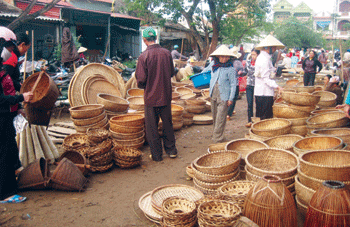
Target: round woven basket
135 92
113 103
271 127
245 146
99 149
175 96
196 101
302 208
343 133
298 121
74 141
133 120
126 136
308 89
218 163
301 99
178 211
326 164
317 143
291 82
177 125
86 111
187 122
289 181
301 130
308 109
176 110
205 93
285 111
328 99
253 136
100 124
129 142
196 109
328 120
188 96
215 186
325 111
97 135
125 129
89 121
136 103
216 147
211 178
304 193
183 90
283 142
271 161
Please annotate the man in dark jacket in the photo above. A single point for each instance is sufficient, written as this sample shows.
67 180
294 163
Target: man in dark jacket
153 73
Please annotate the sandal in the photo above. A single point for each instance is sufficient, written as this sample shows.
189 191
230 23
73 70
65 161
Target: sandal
14 199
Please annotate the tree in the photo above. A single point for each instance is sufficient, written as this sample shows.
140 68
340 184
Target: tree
25 16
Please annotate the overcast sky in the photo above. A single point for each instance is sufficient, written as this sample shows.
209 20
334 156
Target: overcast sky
315 5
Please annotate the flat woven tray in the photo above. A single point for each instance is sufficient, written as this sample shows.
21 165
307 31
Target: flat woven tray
202 120
161 193
145 204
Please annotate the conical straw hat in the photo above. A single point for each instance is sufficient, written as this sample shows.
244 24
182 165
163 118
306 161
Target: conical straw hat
82 49
269 41
222 51
235 52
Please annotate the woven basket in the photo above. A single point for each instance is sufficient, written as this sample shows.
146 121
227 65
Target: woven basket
304 193
175 96
343 133
218 163
291 82
317 143
75 141
100 149
102 159
205 93
328 99
215 186
211 178
308 89
283 142
34 176
257 137
245 146
328 120
177 125
271 127
308 109
86 111
188 96
133 120
300 130
129 142
206 191
89 121
271 161
97 135
176 110
289 181
297 121
135 92
103 168
326 164
78 159
196 109
112 103
126 136
218 213
325 111
189 171
183 90
100 124
285 111
302 208
125 129
178 211
187 122
217 147
300 99
196 101
136 103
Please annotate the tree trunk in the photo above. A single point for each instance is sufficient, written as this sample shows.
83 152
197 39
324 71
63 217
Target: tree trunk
214 38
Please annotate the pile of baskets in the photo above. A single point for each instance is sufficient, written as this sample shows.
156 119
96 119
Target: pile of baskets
88 116
126 158
177 116
213 170
187 118
127 130
196 106
272 161
177 211
113 105
268 128
317 167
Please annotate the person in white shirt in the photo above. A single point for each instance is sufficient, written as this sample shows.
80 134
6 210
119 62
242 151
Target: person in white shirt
286 64
264 85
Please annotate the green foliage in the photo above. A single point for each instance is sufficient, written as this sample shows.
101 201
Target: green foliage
130 64
57 52
295 33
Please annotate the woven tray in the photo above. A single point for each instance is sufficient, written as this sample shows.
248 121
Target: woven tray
202 120
285 111
317 143
145 204
301 99
112 103
283 142
271 127
245 146
328 120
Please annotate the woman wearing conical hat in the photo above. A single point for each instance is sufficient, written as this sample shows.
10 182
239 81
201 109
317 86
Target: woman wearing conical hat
222 88
264 85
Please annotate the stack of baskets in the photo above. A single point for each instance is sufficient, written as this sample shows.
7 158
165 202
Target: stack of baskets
272 161
327 120
177 211
76 142
342 133
128 130
177 116
196 91
328 99
317 167
215 169
187 118
183 90
268 128
126 158
88 116
136 103
113 105
196 106
317 143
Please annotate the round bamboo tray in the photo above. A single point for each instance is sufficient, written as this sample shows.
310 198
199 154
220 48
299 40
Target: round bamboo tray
271 161
135 92
308 89
101 124
297 121
328 120
218 213
136 103
304 193
89 121
326 164
245 146
300 99
145 204
328 99
271 127
317 143
188 96
176 110
183 90
285 111
218 163
133 120
211 178
113 103
300 130
126 136
257 137
86 111
343 133
283 142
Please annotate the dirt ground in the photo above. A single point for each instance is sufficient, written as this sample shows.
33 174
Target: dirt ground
111 198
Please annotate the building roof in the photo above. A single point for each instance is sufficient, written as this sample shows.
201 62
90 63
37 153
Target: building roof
302 8
8 8
282 6
37 18
119 15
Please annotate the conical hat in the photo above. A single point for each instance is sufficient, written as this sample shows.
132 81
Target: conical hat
81 50
235 52
222 51
270 41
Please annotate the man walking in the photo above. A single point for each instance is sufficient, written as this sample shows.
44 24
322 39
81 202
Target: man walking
153 73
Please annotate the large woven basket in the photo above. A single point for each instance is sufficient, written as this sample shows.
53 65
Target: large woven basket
328 120
301 130
308 89
308 109
304 193
188 96
178 211
125 136
343 133
271 161
211 178
133 120
101 124
326 164
328 99
136 103
289 181
218 213
271 127
301 99
253 136
215 186
74 141
89 121
35 175
196 109
112 103
176 110
245 146
218 163
283 142
125 129
135 92
183 90
96 135
317 143
86 111
298 121
285 111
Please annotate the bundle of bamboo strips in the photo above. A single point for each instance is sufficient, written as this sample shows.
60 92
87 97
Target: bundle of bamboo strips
34 143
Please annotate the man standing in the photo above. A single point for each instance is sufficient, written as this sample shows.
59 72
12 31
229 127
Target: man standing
176 55
153 73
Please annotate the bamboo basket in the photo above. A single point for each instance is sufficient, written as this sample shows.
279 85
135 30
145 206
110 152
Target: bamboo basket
100 124
197 102
78 159
89 121
283 142
133 120
285 111
255 178
328 99
343 133
211 178
75 141
300 99
177 211
297 121
86 111
325 111
188 96
304 193
308 109
96 135
301 207
328 120
135 92
113 103
218 163
257 137
300 130
34 176
218 213
269 203
136 103
99 149
271 127
126 136
317 143
196 109
217 147
308 89
176 110
175 96
245 146
206 191
329 206
184 90
215 186
125 129
326 164
271 161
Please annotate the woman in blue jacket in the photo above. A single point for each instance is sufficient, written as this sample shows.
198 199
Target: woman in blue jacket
222 88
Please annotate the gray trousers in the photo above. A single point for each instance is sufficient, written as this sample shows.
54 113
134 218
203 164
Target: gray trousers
219 110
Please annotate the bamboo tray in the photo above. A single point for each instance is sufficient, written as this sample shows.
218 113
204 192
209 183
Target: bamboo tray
202 120
145 204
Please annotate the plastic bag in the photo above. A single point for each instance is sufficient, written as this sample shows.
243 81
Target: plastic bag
19 122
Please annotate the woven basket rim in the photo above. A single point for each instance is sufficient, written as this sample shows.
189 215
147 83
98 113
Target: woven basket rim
78 108
325 92
324 122
324 166
284 179
321 136
284 136
216 152
316 179
271 119
193 167
313 132
102 96
220 201
245 139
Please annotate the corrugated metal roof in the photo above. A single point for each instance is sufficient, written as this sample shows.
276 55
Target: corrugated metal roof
37 18
119 15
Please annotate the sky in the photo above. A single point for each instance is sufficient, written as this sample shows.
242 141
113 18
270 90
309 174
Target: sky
315 5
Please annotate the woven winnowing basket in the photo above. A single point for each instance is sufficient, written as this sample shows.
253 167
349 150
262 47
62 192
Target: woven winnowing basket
301 99
285 111
218 163
210 178
272 161
343 133
328 120
326 164
283 142
304 193
272 127
218 212
317 143
245 146
133 120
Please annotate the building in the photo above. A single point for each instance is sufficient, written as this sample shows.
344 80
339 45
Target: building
342 19
283 10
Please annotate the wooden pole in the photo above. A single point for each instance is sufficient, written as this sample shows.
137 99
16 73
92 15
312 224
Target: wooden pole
182 47
32 51
342 64
25 63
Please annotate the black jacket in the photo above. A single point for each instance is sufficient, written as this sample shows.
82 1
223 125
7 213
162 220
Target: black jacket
311 68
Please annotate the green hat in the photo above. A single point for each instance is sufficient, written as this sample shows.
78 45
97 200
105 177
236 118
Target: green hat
149 32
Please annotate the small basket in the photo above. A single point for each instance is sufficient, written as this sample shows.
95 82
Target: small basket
112 103
285 111
102 169
271 127
125 129
133 120
301 99
218 163
86 111
328 120
136 103
97 135
177 210
74 141
127 154
218 213
135 92
176 110
317 143
283 142
126 136
196 109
